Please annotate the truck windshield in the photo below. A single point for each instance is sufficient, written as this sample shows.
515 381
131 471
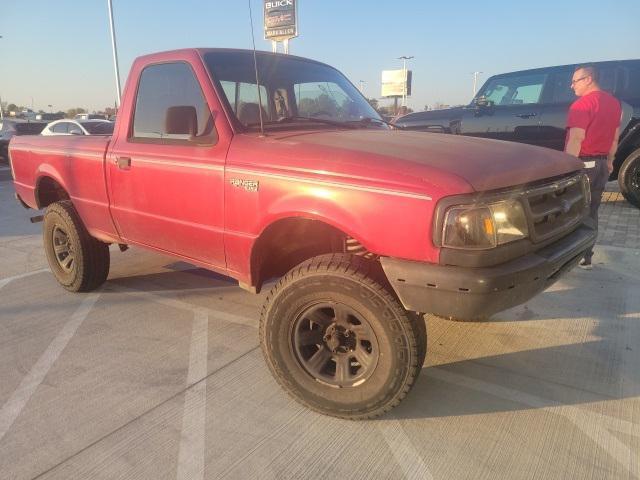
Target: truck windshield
293 92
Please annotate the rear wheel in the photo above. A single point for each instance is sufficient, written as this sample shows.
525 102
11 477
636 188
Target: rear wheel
79 262
338 341
629 178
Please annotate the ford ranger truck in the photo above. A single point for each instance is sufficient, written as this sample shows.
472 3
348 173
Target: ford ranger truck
295 177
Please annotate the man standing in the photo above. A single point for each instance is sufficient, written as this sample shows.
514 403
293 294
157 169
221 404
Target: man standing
593 127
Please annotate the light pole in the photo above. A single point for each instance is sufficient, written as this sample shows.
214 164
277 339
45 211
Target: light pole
404 59
475 82
115 52
362 82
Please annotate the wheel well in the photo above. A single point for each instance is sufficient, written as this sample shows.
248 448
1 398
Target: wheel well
289 242
49 191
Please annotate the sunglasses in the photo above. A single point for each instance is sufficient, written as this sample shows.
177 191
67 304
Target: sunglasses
578 79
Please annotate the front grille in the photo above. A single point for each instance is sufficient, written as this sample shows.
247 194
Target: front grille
553 208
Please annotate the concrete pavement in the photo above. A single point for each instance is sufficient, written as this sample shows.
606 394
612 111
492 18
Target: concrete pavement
159 375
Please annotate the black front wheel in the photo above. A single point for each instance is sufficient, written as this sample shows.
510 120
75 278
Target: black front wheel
629 178
338 341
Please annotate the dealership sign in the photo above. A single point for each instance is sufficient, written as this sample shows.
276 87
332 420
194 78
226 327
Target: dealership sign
280 19
396 83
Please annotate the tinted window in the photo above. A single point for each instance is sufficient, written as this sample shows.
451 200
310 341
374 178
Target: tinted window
61 127
98 128
514 89
29 128
170 100
561 83
629 81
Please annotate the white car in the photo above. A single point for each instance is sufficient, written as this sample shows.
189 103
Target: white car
79 127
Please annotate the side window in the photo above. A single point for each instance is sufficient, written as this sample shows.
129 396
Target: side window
318 99
515 89
561 83
628 81
561 87
171 108
62 127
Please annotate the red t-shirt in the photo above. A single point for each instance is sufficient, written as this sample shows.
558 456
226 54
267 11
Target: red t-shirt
598 113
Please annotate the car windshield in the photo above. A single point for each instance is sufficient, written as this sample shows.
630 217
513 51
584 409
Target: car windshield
293 92
98 128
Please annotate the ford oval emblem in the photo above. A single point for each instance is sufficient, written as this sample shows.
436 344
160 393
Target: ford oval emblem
565 205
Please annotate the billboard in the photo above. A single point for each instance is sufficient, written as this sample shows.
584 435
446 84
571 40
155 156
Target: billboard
280 19
394 83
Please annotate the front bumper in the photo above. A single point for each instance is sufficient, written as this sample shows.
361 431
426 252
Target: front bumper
467 293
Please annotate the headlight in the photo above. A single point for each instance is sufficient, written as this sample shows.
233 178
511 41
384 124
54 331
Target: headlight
484 226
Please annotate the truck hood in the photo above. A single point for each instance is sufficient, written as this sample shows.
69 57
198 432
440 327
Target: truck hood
430 157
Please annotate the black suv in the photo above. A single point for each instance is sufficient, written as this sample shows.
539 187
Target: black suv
531 106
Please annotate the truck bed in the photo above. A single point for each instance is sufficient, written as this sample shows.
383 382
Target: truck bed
76 163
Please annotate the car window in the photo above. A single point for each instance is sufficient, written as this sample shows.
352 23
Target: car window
629 81
98 128
320 99
62 127
514 89
29 128
241 94
561 83
167 95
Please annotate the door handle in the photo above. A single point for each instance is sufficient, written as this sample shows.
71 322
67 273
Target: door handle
526 115
123 162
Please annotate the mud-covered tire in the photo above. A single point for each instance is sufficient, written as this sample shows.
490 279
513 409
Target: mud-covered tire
328 308
79 262
421 335
629 178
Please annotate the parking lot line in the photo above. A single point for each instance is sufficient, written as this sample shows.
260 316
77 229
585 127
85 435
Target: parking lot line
20 397
192 437
406 455
5 281
595 426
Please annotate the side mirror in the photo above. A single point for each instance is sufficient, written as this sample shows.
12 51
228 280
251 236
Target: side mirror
181 120
482 102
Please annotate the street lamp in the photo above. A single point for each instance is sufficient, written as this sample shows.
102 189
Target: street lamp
362 82
404 59
475 82
115 52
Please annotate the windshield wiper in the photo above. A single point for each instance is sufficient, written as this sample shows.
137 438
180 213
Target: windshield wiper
294 118
369 120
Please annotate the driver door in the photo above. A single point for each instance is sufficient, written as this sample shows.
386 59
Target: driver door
507 108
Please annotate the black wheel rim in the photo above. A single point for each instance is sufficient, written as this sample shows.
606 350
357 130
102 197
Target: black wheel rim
335 345
63 249
634 176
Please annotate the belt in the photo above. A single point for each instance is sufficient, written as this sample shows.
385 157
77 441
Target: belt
589 161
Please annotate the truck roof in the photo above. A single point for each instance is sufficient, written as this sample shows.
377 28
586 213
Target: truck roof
202 51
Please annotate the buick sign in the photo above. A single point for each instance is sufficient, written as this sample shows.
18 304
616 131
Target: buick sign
280 19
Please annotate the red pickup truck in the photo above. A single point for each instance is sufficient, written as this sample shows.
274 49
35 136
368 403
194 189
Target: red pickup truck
277 167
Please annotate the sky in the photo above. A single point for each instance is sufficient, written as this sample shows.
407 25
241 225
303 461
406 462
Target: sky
59 52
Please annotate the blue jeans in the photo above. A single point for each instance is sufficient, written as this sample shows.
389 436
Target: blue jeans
598 176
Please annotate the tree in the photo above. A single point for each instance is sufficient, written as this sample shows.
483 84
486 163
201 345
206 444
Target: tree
12 107
374 103
72 112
